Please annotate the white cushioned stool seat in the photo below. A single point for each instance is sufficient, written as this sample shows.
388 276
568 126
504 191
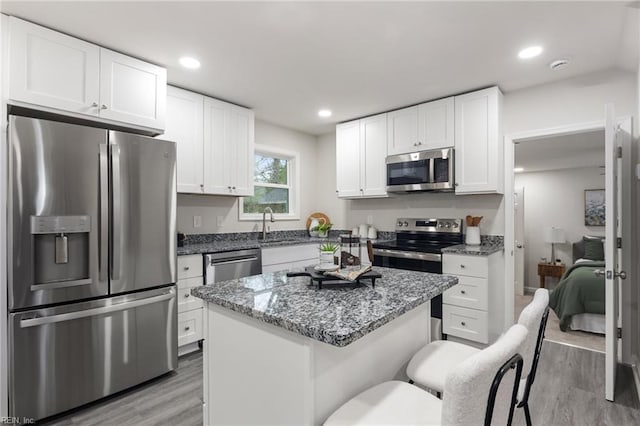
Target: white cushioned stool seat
431 364
389 403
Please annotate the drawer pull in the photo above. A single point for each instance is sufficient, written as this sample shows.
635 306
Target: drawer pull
462 323
463 292
187 328
186 295
186 268
462 266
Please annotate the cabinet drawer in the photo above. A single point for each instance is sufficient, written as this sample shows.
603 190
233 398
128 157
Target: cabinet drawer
190 282
189 327
467 323
190 266
470 292
472 266
187 302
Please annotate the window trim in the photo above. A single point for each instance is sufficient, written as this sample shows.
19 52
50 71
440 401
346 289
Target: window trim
293 170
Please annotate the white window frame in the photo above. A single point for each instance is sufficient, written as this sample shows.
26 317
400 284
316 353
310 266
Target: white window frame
293 171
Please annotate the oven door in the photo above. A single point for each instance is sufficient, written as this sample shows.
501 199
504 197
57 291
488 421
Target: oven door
412 261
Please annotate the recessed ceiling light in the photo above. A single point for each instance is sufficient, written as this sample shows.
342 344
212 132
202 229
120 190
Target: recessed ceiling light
189 62
530 52
518 169
324 113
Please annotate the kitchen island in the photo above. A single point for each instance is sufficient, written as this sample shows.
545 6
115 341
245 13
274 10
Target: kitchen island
279 351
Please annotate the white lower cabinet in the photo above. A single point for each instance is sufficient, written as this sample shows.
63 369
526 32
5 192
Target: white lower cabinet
474 308
190 274
284 258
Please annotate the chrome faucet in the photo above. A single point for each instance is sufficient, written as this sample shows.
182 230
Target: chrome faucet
264 219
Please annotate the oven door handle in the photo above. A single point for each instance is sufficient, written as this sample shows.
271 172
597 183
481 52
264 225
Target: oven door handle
432 257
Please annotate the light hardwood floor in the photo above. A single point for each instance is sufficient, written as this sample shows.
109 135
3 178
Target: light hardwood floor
569 390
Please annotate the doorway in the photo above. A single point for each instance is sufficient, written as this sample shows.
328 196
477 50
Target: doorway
614 137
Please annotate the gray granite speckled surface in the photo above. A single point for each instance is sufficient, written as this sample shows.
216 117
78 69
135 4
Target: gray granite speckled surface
229 245
489 245
337 316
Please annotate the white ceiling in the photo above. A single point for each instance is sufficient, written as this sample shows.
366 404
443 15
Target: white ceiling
561 152
287 60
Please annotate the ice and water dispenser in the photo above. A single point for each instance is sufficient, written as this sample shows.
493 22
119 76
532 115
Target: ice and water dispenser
60 251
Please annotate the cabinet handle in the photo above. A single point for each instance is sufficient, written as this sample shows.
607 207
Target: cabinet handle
419 143
463 323
95 104
186 268
233 187
186 295
463 292
462 266
202 185
455 184
103 106
187 328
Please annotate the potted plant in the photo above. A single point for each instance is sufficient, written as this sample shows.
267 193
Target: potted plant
327 251
323 229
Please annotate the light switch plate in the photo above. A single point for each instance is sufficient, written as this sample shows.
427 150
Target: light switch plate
197 221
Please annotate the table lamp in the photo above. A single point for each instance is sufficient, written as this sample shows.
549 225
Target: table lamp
554 236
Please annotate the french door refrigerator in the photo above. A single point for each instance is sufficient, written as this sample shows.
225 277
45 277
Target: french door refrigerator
92 263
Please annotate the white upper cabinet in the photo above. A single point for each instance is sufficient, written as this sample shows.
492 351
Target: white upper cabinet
184 125
132 91
478 143
421 127
361 150
52 69
228 149
62 74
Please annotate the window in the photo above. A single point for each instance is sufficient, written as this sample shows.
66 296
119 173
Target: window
275 185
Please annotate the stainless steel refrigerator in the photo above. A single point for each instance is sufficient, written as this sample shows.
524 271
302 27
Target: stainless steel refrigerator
92 263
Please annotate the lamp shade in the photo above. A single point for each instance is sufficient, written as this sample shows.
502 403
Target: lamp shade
554 235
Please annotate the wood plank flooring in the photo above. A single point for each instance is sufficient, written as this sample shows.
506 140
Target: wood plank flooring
569 390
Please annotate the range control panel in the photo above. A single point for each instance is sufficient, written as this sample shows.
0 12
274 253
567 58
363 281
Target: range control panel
429 225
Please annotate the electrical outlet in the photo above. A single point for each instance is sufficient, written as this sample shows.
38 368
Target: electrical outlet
197 221
369 219
219 221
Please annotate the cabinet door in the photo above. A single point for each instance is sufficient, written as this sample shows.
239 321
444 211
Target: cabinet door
217 155
436 124
403 131
132 91
373 153
184 126
348 159
52 69
478 142
241 144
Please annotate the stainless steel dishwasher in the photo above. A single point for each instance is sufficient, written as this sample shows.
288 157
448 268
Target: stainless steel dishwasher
232 265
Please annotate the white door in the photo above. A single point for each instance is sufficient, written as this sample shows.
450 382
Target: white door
348 159
435 126
518 244
242 149
373 152
132 91
216 151
403 131
184 127
52 69
612 253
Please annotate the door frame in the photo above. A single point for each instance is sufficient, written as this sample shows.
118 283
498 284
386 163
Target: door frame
626 212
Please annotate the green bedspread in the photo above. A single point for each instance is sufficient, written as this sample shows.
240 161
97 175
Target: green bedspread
578 292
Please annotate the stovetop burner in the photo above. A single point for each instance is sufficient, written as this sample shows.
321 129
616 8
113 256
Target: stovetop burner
424 235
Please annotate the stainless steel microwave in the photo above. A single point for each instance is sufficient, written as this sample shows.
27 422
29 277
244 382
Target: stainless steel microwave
431 170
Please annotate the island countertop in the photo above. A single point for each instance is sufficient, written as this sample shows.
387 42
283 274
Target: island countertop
337 316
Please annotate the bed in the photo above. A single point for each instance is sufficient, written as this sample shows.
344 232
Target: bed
578 300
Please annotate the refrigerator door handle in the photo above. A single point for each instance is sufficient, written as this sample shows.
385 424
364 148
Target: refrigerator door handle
104 212
33 322
117 213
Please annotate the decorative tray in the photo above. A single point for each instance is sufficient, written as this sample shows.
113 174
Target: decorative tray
320 278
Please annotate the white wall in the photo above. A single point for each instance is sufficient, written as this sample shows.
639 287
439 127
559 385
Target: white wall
555 198
211 207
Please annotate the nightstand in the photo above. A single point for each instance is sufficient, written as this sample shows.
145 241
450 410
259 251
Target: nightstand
550 270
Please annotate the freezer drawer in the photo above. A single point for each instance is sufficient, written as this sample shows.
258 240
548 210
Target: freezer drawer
69 355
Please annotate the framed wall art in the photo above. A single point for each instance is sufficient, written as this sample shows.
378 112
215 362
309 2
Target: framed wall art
594 207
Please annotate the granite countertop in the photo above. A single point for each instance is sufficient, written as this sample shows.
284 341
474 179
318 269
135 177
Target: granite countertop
229 245
484 249
337 316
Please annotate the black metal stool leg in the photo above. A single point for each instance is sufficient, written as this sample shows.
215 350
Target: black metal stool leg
527 415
